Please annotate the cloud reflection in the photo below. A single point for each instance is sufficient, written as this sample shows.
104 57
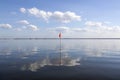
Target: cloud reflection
34 56
51 62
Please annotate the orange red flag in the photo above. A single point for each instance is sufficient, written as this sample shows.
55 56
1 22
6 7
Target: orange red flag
60 35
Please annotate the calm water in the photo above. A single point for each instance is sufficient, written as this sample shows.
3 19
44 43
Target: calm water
72 60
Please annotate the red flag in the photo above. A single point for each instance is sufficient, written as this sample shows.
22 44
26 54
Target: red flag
60 35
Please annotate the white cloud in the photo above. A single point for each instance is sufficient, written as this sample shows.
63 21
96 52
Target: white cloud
26 26
79 29
65 29
63 17
6 26
24 22
93 24
62 29
114 28
33 27
39 13
100 27
23 10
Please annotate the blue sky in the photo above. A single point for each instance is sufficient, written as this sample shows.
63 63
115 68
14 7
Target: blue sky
74 18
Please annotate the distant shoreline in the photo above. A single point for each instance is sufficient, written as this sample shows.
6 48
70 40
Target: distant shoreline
55 38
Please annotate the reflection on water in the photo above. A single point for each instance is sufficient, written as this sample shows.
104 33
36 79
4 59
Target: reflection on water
51 62
73 59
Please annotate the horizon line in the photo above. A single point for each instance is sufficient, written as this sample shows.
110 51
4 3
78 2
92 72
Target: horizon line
49 38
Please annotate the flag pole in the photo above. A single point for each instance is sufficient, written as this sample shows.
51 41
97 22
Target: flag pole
60 53
60 49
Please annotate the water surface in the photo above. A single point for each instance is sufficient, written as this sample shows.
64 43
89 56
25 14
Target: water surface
70 60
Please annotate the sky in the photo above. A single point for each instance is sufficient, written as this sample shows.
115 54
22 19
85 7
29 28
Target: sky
47 18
